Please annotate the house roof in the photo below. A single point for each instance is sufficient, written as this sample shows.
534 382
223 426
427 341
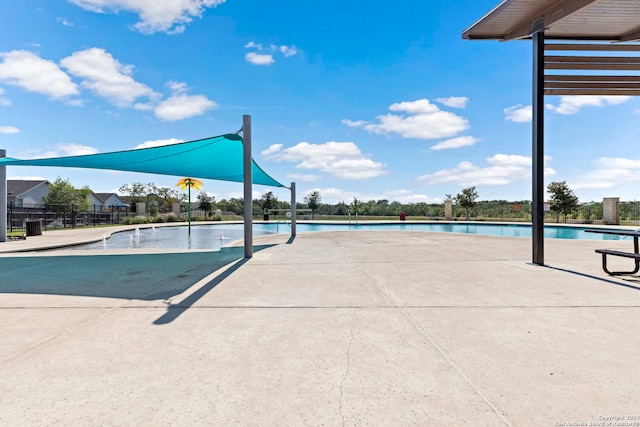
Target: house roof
610 20
103 197
17 187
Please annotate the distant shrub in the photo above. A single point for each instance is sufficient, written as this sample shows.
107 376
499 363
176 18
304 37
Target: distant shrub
135 220
173 218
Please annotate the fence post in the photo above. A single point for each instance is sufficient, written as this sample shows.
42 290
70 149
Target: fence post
3 199
11 216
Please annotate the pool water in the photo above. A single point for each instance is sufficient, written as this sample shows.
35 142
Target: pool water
214 236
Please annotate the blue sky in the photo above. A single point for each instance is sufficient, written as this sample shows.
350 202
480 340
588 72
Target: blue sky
368 99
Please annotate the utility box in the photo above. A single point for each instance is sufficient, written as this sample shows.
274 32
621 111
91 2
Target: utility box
34 227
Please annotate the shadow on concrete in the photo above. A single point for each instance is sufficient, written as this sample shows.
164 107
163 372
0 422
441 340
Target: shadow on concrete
175 310
127 276
613 282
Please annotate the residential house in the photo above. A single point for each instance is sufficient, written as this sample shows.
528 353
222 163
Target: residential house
106 201
26 192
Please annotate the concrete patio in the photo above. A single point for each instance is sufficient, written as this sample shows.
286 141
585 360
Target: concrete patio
334 328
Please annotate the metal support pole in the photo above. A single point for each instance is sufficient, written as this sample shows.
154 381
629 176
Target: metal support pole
537 153
3 199
248 190
293 209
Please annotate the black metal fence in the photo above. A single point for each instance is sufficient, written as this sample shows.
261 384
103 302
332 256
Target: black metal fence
63 216
70 216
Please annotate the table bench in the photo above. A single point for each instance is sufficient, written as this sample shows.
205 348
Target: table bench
635 255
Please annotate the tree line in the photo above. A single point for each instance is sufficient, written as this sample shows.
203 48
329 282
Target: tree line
160 199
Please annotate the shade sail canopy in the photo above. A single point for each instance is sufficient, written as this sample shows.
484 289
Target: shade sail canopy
610 20
219 158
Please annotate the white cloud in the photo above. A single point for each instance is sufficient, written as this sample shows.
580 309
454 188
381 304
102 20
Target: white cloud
454 101
340 159
267 58
461 141
334 195
180 106
519 113
253 45
106 77
62 150
9 130
65 22
422 120
27 178
159 142
3 101
259 58
75 149
573 104
155 15
288 51
303 178
144 106
354 124
609 172
34 74
272 150
503 169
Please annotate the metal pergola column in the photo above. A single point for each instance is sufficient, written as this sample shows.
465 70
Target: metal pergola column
537 150
248 188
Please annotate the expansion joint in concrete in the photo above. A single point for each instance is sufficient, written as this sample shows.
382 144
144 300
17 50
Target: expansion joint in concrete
346 374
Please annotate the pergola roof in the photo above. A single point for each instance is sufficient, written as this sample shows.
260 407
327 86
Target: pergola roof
607 20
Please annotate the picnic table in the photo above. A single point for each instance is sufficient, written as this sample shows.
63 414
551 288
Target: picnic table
635 255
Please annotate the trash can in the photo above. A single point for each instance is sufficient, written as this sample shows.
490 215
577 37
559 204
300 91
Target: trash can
265 217
403 216
34 227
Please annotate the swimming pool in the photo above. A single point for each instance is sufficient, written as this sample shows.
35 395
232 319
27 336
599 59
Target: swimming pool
214 236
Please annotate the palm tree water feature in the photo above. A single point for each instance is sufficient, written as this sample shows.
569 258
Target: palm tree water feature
215 236
189 183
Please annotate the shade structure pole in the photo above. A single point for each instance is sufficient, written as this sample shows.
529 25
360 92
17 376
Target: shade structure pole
537 152
248 190
293 209
3 199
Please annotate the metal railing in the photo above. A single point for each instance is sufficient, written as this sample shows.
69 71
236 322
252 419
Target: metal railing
63 216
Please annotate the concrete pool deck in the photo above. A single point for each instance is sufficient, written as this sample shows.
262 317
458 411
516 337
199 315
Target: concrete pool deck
334 328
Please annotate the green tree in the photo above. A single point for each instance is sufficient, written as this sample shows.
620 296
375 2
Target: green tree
467 199
136 192
206 202
61 195
167 197
563 200
268 201
313 201
355 208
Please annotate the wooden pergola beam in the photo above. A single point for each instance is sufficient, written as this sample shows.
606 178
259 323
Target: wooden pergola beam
593 47
549 17
631 36
596 92
589 78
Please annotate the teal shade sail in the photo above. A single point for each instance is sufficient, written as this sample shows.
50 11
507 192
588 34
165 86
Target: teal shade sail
219 158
